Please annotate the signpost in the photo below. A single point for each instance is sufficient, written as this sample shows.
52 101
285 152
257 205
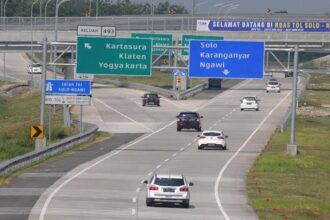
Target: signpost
263 25
114 56
226 59
90 30
186 38
68 87
157 40
37 132
67 100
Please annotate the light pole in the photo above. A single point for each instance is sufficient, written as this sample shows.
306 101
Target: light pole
4 12
34 2
46 11
152 14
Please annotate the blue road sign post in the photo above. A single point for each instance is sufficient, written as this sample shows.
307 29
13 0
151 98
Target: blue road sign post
68 87
226 59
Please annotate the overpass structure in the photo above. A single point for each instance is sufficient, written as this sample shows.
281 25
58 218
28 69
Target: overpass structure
23 29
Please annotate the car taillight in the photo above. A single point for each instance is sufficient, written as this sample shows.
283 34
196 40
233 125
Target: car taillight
153 188
184 189
202 137
220 137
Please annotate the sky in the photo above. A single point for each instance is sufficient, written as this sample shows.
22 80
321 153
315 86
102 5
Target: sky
252 6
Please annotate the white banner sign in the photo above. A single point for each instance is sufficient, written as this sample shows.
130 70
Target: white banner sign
67 100
89 31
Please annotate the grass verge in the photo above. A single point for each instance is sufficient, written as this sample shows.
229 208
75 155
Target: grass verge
97 137
159 79
20 111
284 187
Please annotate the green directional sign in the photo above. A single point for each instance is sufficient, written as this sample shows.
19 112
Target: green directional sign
114 56
157 40
186 38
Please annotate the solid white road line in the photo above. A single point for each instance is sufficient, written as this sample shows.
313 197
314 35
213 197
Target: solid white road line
58 188
216 186
125 116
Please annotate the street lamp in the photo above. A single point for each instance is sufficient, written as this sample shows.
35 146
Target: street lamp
34 2
4 12
46 11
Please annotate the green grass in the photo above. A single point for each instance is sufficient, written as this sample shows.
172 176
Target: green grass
17 115
159 79
296 187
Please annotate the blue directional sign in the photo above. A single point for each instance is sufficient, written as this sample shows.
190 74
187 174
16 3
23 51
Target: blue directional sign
176 72
179 73
226 59
68 87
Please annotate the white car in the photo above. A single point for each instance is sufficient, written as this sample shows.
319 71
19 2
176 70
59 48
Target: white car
273 86
173 188
212 139
35 68
250 102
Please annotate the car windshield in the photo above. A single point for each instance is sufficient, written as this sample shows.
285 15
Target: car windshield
213 134
188 115
36 65
273 83
152 95
249 98
169 181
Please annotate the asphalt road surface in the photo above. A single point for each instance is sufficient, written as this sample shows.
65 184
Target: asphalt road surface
107 184
110 186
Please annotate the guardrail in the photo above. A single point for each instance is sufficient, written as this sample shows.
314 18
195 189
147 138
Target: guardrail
36 155
301 91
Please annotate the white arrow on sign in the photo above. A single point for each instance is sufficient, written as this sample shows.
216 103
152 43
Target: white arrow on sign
88 46
226 72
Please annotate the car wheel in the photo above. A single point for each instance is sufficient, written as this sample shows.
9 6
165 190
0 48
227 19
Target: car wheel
267 91
143 104
178 129
257 109
158 104
199 129
200 148
149 202
225 147
242 109
186 203
279 91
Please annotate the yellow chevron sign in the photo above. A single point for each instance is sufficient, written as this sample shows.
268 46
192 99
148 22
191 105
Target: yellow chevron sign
37 131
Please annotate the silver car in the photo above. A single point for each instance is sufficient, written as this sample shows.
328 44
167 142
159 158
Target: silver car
173 188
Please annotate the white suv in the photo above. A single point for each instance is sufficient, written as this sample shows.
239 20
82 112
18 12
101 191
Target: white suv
249 102
273 86
34 68
168 188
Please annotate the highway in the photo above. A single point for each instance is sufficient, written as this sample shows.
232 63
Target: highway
110 186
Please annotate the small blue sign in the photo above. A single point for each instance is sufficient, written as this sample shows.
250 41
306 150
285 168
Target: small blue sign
176 72
179 73
68 87
226 59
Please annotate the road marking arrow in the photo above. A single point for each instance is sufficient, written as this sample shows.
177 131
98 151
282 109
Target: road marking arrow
226 72
88 46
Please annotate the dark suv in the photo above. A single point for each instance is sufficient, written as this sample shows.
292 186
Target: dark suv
150 98
189 120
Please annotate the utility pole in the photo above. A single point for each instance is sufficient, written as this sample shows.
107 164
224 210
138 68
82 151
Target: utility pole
292 147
